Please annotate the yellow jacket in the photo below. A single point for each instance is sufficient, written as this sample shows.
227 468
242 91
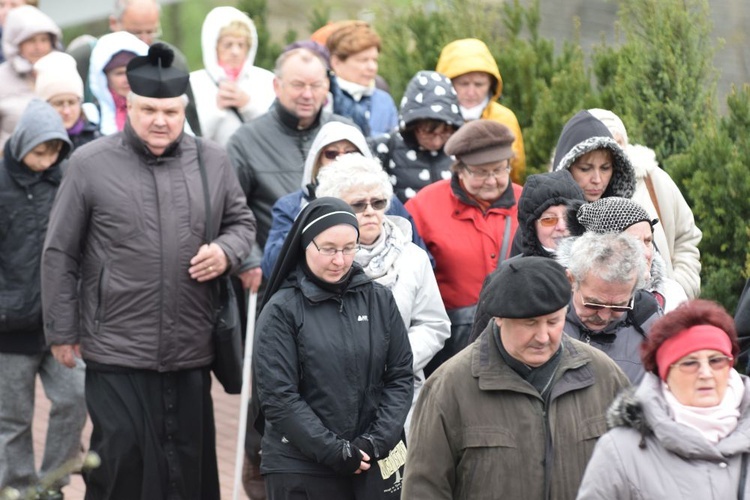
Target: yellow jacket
464 56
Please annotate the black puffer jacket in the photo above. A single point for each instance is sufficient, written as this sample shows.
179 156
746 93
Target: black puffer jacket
330 368
25 202
429 96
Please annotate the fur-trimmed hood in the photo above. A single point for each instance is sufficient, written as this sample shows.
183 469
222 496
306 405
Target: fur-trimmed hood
584 133
642 159
215 20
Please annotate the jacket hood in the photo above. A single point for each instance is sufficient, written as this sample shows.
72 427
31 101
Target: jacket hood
430 96
643 160
21 24
106 47
644 409
329 133
217 19
584 133
540 192
470 54
39 123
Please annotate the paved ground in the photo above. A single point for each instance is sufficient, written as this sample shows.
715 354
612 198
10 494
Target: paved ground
226 410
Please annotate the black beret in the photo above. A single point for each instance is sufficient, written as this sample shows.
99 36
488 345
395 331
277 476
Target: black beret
527 287
481 141
153 75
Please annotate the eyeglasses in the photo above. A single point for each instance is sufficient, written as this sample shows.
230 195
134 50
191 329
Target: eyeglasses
483 175
299 86
63 103
331 251
361 206
549 221
430 130
692 365
617 309
332 154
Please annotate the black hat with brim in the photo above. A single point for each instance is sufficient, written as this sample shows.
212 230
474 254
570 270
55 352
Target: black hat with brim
154 76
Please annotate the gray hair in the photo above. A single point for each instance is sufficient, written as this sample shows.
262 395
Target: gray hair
612 257
352 172
122 5
306 55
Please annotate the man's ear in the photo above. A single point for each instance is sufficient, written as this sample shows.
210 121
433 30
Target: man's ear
570 278
114 24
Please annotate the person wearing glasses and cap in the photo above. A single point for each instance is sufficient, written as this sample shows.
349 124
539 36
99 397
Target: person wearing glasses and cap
684 432
517 413
468 222
609 308
333 367
127 284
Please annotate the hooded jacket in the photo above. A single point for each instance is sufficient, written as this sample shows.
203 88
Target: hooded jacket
482 432
25 202
646 454
465 56
584 133
428 96
375 113
17 87
123 230
220 124
106 47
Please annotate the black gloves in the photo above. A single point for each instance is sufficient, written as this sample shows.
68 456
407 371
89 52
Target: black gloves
365 445
351 458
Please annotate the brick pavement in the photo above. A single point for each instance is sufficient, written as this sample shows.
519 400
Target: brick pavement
226 411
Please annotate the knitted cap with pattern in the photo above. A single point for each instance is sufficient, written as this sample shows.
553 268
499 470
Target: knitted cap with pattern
612 215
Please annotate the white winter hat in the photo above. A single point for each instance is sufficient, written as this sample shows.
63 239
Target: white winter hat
56 73
613 123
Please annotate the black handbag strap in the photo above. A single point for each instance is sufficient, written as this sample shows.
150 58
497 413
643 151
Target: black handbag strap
206 194
743 477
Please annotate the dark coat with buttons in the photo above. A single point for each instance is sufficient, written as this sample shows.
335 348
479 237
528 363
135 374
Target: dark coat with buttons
330 368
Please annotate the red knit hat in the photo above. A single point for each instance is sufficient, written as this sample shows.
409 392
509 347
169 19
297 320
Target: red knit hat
693 339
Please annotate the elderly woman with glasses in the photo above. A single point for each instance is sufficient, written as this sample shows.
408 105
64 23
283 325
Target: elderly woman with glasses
333 367
388 256
684 432
468 222
333 139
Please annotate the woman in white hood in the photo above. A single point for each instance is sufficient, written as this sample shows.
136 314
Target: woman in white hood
229 90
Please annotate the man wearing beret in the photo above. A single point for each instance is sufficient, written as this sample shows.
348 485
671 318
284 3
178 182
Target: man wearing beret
127 284
518 412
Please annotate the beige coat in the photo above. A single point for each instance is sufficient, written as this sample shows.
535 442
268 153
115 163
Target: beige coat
480 431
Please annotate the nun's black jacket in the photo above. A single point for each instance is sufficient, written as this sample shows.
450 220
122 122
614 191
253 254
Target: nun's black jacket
330 368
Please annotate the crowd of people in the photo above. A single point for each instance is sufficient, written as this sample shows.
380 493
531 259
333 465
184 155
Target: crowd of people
432 323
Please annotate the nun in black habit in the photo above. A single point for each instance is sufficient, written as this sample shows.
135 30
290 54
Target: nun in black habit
333 367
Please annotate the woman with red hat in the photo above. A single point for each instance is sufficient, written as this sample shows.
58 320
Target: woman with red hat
685 431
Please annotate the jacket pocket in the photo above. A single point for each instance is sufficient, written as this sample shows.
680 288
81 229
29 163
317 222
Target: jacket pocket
487 450
592 428
99 312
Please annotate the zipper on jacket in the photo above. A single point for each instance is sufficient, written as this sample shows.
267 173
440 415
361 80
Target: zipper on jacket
99 300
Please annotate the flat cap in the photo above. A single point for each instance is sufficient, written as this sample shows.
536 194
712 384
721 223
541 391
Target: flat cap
481 141
527 287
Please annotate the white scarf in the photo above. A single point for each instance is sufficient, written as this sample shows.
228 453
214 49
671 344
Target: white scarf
379 258
715 422
475 112
356 90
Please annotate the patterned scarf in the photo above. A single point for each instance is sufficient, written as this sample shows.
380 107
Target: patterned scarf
379 258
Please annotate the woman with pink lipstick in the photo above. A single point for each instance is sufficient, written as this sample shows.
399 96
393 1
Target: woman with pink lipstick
597 163
684 432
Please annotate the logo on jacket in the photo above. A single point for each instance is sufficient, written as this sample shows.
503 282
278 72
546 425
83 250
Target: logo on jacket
362 317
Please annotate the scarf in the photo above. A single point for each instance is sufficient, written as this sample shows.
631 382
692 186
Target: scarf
474 112
716 422
77 128
121 110
379 258
232 73
356 90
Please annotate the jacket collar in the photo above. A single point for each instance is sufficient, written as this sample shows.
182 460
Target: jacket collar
290 120
314 293
25 177
494 374
506 200
136 143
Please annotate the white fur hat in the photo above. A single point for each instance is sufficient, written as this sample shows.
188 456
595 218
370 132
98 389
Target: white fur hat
56 73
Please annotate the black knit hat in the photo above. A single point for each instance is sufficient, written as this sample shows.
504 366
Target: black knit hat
481 141
154 76
527 287
608 215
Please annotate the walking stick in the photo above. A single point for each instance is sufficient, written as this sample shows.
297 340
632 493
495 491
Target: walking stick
245 394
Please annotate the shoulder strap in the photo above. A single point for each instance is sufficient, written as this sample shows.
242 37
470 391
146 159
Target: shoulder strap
743 477
652 195
206 195
506 242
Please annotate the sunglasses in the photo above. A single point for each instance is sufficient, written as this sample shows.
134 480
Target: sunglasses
361 206
550 221
332 154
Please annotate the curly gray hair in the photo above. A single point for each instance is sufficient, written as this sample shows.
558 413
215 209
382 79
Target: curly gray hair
353 172
613 257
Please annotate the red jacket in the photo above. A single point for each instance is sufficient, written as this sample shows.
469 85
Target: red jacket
464 242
